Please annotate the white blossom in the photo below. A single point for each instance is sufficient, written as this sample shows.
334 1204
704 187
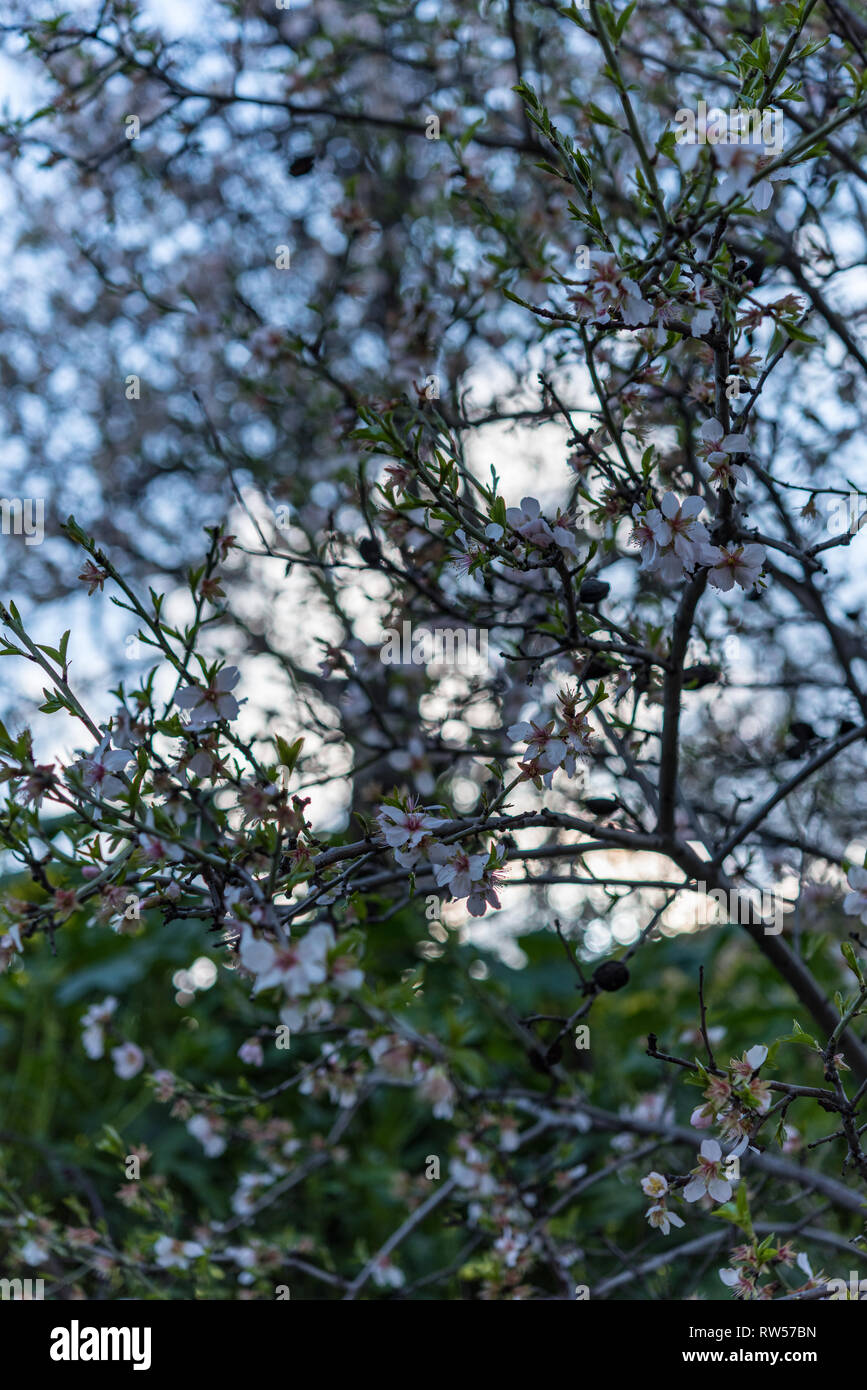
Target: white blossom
203 1128
128 1060
662 1219
176 1254
734 564
855 902
707 1180
678 537
98 769
209 704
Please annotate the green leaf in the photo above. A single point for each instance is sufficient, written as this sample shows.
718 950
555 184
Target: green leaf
798 334
288 753
852 961
621 23
737 1211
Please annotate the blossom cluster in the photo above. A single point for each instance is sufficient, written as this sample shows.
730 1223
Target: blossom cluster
749 1262
127 1058
733 1101
564 742
608 296
410 832
744 166
674 542
298 968
534 531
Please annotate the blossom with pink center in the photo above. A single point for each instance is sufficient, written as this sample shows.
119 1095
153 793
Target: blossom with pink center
750 1062
719 450
734 564
531 526
676 524
678 537
543 745
471 876
717 442
576 733
718 1090
156 846
472 554
642 535
741 1282
98 770
39 780
564 534
296 966
211 703
456 869
707 1179
717 1096
722 471
735 1128
758 1095
405 827
608 291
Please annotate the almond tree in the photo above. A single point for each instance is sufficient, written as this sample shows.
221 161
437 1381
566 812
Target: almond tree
489 906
